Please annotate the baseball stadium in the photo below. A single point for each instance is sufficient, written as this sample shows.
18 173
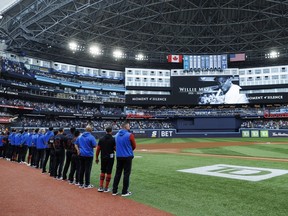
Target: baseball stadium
183 104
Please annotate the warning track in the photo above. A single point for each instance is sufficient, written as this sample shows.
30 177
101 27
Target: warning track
25 191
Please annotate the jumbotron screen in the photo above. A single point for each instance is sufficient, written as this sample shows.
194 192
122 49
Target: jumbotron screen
207 90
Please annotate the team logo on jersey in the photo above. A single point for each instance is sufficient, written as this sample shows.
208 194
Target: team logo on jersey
237 172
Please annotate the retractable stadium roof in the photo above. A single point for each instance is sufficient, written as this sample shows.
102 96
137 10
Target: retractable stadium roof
154 27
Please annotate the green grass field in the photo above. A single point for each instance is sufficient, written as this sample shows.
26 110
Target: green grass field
199 140
255 150
156 182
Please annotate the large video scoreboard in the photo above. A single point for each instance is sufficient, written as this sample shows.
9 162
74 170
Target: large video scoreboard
245 86
203 90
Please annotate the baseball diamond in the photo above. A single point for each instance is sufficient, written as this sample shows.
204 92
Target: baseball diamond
168 107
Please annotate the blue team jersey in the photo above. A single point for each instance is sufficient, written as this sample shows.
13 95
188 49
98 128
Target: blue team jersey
86 143
18 139
29 139
123 144
24 139
1 140
34 139
11 138
40 143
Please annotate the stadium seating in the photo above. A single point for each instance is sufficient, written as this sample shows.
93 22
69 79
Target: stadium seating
34 97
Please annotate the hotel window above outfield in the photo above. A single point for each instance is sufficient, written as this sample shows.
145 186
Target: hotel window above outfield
242 72
250 79
258 78
275 77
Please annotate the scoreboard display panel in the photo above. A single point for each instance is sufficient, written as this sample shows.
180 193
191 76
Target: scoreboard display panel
207 90
211 90
197 90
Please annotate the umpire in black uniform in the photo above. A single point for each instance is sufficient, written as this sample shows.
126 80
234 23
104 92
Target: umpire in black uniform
106 146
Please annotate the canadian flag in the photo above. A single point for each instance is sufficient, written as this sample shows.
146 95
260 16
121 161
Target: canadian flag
175 58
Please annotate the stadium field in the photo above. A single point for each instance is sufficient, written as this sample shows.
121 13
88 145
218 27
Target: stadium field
156 180
203 140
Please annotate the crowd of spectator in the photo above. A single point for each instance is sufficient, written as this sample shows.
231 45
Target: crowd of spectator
101 124
94 98
5 114
142 124
15 102
266 124
18 67
77 80
2 127
20 82
192 112
60 108
98 125
66 90
12 66
132 113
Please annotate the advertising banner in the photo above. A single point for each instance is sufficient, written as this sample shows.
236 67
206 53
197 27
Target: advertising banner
278 133
264 133
245 133
255 133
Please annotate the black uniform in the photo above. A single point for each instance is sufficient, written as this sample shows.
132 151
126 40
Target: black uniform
59 143
69 151
107 147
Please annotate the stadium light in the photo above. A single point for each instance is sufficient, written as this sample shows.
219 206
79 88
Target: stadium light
95 50
76 47
141 57
272 54
73 46
118 54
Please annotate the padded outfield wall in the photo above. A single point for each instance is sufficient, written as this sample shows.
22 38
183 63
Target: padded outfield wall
251 132
173 133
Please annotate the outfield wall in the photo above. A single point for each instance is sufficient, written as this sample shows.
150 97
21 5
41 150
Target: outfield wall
173 133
